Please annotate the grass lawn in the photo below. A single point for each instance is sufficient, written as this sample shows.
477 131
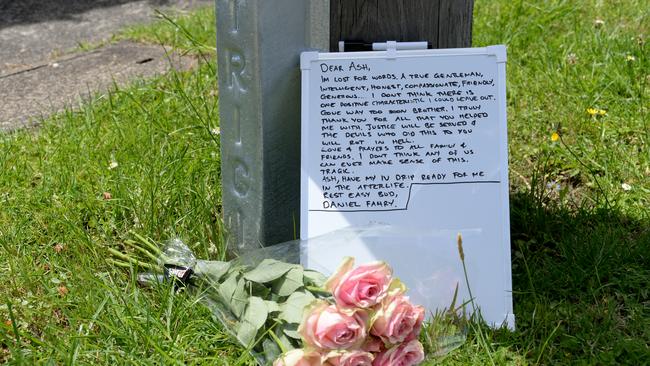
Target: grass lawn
146 158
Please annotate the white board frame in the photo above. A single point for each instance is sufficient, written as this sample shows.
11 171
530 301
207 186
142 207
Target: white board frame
499 54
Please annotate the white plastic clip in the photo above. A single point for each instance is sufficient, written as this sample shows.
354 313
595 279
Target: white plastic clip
391 49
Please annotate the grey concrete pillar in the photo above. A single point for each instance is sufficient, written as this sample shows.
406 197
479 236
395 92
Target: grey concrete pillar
258 49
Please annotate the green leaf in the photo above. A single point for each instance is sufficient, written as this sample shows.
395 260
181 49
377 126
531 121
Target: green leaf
258 289
256 312
290 282
272 306
252 321
292 310
233 294
287 343
246 333
268 270
314 278
212 270
271 350
239 298
227 288
291 330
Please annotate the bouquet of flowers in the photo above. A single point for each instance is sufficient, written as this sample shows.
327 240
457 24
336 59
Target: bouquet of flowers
367 321
286 315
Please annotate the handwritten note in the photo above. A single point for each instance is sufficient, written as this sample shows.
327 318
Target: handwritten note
381 131
416 140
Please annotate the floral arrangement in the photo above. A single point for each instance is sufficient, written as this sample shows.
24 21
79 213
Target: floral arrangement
286 315
369 321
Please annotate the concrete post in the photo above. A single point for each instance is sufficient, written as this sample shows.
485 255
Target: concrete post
258 49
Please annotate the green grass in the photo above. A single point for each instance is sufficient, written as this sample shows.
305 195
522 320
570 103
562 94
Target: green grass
193 34
580 242
166 183
562 62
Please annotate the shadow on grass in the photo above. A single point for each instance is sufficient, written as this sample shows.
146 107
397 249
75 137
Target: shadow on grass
580 283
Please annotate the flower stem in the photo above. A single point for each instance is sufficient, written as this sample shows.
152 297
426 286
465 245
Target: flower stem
277 340
134 261
146 242
142 250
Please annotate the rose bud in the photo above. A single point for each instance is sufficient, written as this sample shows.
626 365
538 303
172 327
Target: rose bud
397 320
328 328
348 358
361 287
299 357
405 354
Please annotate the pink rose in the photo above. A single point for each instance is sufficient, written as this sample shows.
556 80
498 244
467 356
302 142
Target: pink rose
329 328
362 287
299 357
397 320
349 358
405 354
373 344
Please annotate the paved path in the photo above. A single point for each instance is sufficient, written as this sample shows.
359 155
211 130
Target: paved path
30 95
39 73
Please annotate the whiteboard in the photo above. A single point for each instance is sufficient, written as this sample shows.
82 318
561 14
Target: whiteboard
416 140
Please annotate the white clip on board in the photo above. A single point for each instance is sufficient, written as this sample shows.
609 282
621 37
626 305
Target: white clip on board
415 139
